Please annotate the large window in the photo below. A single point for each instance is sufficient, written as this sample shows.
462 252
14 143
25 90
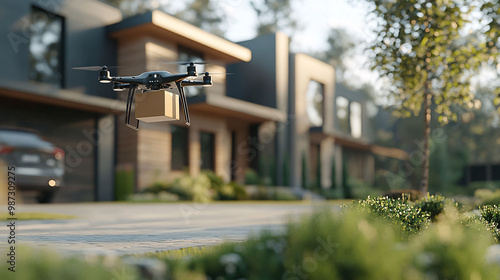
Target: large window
46 47
189 55
180 147
349 116
315 95
356 120
207 144
342 105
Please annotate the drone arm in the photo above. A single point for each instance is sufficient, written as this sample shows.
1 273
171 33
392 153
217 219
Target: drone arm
127 80
189 83
183 102
174 78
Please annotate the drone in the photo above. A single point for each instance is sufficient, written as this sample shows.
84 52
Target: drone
150 81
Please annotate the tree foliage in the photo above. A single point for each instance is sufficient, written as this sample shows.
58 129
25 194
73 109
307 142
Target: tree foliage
421 42
204 14
340 44
423 48
274 15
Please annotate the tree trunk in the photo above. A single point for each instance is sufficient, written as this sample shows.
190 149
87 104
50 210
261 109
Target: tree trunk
424 184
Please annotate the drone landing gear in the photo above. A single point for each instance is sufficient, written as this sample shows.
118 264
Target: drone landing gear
183 102
130 100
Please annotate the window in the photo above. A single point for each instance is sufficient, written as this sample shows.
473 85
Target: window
207 144
314 97
355 121
46 47
180 145
189 55
343 113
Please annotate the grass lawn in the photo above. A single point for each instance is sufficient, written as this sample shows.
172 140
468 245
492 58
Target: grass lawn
36 216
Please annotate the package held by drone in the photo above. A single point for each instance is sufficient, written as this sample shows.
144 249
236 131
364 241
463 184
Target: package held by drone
157 106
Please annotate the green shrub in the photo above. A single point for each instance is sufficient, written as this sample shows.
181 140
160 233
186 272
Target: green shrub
37 263
432 204
232 191
331 193
412 195
488 197
491 215
251 177
405 216
202 188
315 248
348 246
124 183
361 190
448 250
283 195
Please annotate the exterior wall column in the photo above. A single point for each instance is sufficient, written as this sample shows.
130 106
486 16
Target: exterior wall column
105 158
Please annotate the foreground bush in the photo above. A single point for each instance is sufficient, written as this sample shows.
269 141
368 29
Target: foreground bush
46 264
348 246
398 212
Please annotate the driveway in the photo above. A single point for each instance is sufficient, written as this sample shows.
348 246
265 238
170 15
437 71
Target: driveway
123 228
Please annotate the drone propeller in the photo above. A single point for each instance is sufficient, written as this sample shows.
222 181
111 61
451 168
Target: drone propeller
188 62
95 68
221 73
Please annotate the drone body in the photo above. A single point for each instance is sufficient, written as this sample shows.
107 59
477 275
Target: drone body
153 81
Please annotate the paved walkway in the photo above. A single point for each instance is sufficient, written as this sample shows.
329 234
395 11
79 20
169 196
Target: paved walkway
123 228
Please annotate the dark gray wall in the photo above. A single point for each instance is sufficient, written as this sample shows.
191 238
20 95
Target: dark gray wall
86 43
255 80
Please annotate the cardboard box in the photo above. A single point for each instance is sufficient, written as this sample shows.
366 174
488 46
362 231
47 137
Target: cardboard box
157 106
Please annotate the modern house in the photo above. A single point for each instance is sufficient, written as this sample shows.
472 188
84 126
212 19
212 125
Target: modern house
221 125
280 113
326 129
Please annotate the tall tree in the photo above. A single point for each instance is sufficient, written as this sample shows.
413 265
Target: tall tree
340 44
205 14
421 49
274 15
133 7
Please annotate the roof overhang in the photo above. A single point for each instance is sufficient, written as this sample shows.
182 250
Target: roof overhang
318 134
59 97
220 105
168 27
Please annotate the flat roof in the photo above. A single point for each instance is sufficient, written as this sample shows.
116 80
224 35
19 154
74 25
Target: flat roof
60 97
167 26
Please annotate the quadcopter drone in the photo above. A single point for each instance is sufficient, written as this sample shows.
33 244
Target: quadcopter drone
153 80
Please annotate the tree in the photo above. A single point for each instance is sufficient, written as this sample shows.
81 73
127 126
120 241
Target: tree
133 7
340 45
273 15
421 49
205 15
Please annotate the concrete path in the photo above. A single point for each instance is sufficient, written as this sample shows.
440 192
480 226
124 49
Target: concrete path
123 228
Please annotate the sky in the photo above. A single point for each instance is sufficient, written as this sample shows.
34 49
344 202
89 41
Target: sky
315 19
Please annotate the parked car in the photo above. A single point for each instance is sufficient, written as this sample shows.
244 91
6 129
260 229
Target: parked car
39 164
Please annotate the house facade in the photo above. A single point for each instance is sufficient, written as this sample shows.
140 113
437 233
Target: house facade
326 133
41 42
219 138
279 114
